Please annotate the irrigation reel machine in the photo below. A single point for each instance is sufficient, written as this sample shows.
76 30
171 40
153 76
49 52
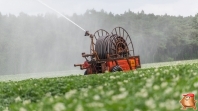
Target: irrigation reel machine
110 52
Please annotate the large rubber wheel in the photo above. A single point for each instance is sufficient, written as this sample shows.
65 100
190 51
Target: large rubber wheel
85 73
116 68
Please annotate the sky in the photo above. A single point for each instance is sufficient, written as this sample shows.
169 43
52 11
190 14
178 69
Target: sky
68 7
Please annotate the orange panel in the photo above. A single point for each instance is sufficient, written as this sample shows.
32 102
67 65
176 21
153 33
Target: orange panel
133 62
137 61
124 64
110 64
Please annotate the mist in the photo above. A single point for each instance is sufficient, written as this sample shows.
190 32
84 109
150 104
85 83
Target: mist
49 43
41 43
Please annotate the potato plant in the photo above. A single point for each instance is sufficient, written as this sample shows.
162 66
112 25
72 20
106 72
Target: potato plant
153 89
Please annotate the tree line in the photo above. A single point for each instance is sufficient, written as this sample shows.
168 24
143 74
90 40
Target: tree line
48 42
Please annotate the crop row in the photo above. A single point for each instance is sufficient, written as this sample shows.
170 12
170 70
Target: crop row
144 89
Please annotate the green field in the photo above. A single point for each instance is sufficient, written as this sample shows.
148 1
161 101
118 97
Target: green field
155 87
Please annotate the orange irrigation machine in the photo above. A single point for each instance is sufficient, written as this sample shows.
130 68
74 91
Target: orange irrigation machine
110 52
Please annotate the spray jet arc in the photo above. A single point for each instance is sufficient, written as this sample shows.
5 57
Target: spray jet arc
110 52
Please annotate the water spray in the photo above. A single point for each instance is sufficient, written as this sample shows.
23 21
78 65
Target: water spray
60 14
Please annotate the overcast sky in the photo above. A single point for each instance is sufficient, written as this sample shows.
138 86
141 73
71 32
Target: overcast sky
68 7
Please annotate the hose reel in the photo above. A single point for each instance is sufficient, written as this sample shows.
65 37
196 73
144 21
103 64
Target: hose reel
117 44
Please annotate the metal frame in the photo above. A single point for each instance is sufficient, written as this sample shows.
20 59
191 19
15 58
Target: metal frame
107 47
